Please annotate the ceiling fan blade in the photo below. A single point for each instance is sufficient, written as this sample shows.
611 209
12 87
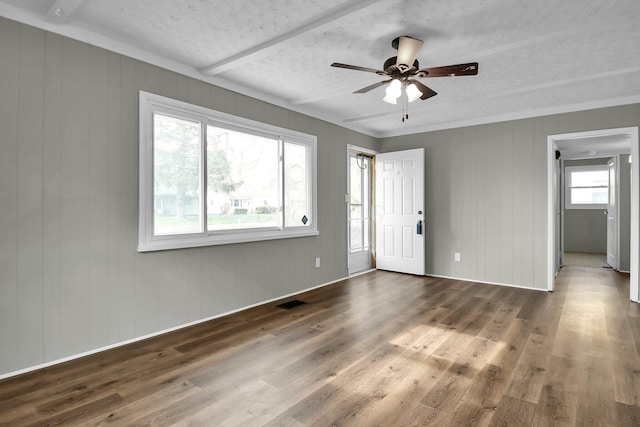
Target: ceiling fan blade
426 92
408 49
469 69
357 68
373 86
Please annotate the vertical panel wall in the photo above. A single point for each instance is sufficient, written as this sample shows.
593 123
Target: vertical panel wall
71 279
9 111
486 193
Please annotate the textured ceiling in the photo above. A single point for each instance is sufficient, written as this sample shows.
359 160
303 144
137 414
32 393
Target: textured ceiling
536 57
594 147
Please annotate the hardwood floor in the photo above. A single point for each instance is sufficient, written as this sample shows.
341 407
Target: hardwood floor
379 349
583 259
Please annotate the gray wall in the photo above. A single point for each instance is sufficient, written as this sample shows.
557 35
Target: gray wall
585 230
71 279
486 193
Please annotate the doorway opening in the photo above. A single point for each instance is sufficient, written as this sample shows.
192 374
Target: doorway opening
359 208
614 146
389 186
595 206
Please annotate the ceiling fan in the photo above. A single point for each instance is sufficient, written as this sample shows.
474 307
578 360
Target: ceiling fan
404 68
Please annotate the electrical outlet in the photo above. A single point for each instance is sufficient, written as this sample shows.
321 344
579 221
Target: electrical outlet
456 257
317 262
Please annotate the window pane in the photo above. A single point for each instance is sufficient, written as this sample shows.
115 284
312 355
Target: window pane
242 180
589 178
356 235
356 212
366 226
588 196
356 182
366 190
176 172
296 186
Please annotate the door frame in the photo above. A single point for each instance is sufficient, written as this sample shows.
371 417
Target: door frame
372 154
616 209
552 191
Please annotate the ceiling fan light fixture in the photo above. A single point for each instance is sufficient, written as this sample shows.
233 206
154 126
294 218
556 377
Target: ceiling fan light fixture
413 92
390 100
408 49
393 92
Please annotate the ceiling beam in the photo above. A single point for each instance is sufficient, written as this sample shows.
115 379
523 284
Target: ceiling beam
372 117
313 24
566 82
61 11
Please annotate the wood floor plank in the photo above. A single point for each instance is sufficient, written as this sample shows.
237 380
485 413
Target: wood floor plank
452 386
627 415
559 397
405 391
512 344
80 414
467 414
489 387
381 349
625 363
478 405
596 403
513 412
172 393
497 326
529 375
555 408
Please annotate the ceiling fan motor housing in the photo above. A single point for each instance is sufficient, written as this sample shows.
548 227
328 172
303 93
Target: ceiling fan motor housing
398 70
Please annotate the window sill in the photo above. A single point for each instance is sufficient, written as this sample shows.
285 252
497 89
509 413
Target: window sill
183 242
585 207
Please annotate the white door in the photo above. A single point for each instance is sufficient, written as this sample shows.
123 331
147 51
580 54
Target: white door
359 221
612 215
400 228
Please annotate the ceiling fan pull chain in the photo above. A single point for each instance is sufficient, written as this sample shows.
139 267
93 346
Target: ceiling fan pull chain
404 106
406 100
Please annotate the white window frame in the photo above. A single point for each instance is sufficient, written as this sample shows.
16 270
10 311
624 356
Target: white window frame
568 186
147 241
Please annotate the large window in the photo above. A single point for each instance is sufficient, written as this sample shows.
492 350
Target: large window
587 187
209 178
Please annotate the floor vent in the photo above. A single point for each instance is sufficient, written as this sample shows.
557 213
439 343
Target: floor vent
289 305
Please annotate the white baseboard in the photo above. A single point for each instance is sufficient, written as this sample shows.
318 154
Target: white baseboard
360 273
487 283
153 334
